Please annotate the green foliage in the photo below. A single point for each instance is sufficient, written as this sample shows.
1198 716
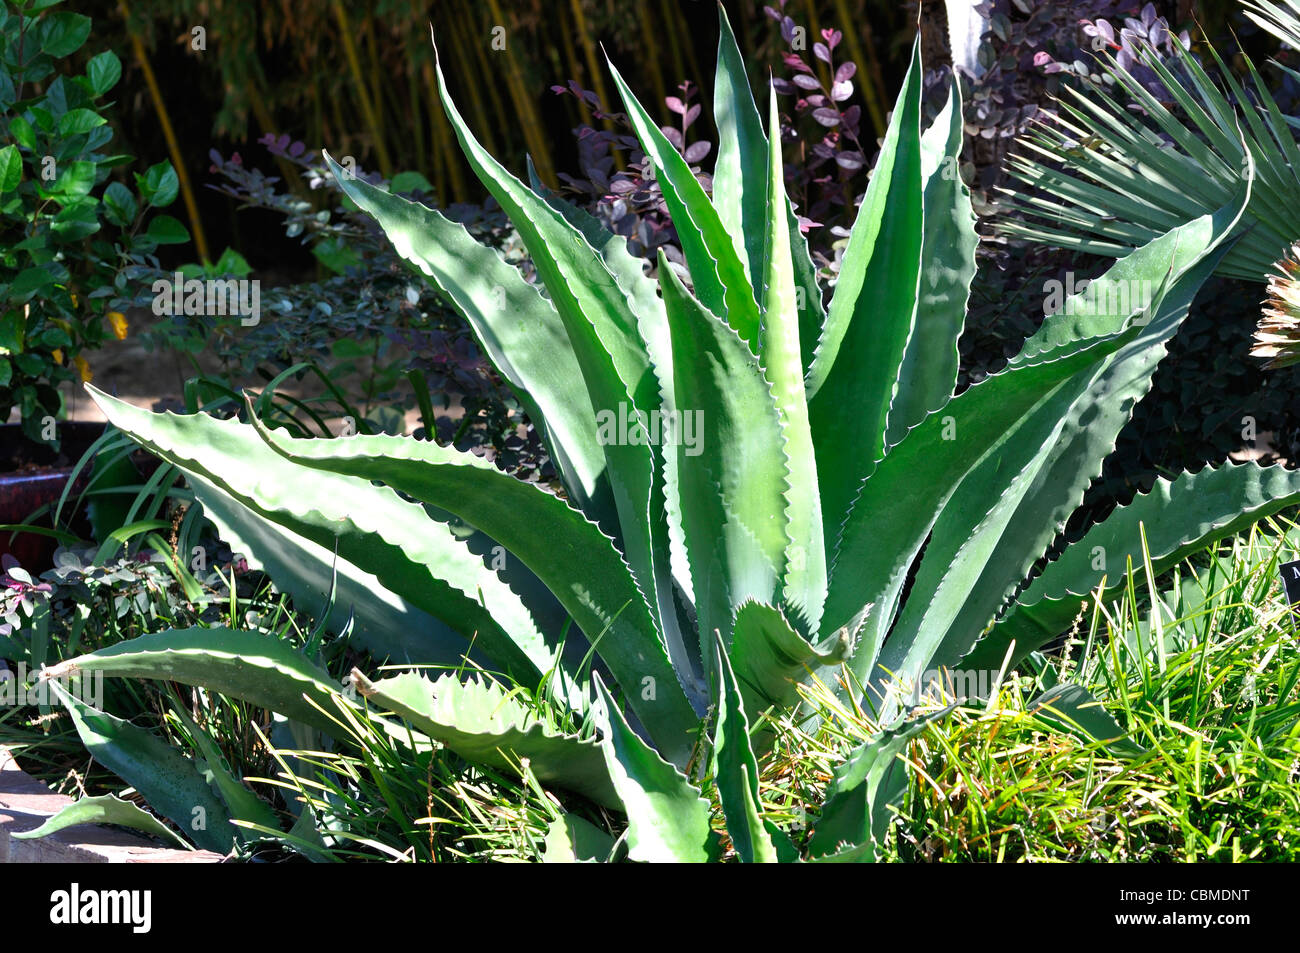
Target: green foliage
717 564
1119 167
1197 666
68 230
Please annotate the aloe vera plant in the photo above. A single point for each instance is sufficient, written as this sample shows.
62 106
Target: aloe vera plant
750 481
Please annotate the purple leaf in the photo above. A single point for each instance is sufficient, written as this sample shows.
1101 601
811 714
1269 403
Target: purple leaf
696 151
674 136
851 161
783 86
691 115
821 51
832 37
846 72
675 105
805 81
827 117
796 62
841 91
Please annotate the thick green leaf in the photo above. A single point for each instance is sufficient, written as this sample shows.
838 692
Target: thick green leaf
770 657
567 552
733 481
417 557
667 543
1009 508
717 273
243 804
804 570
893 514
1181 517
382 622
105 809
520 331
854 377
604 331
668 820
260 669
740 168
169 782
740 186
929 369
735 769
484 724
573 840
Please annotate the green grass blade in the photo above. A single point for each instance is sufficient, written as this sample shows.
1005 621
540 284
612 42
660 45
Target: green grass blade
856 816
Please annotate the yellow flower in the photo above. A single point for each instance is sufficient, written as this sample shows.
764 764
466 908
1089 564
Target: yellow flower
83 368
58 355
118 320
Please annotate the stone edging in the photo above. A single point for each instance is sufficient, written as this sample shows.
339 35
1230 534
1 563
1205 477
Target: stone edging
25 803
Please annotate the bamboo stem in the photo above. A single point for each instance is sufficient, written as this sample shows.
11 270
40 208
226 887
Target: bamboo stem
534 135
169 134
597 78
461 32
871 87
358 79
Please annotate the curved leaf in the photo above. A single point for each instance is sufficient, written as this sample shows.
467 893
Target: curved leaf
105 809
668 820
171 783
483 723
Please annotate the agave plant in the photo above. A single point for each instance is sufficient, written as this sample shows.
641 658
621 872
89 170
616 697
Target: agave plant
757 490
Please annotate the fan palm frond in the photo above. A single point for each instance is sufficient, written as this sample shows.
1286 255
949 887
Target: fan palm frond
1105 179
